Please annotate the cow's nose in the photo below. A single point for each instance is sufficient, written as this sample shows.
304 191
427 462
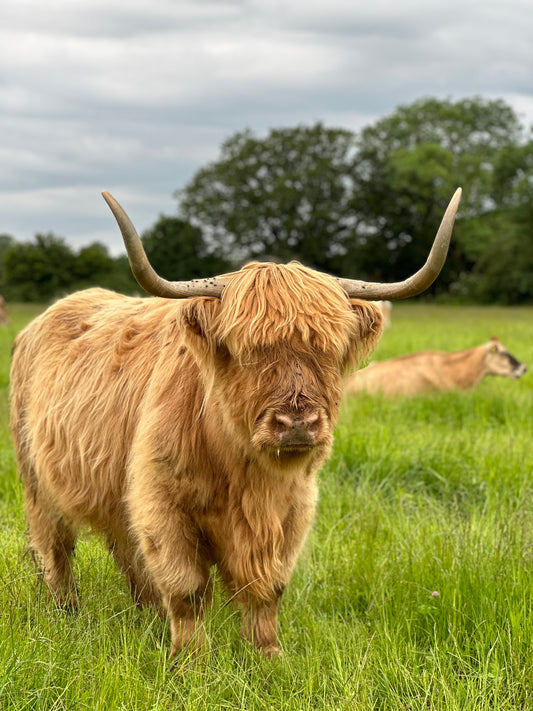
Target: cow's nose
294 425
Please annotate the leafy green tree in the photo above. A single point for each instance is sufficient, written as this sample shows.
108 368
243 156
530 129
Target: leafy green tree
94 266
500 242
40 270
92 261
178 251
513 176
6 241
120 277
407 166
283 196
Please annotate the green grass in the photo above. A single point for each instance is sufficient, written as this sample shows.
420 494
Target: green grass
424 496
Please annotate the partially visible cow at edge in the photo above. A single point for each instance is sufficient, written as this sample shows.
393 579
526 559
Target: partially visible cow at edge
4 317
427 371
188 428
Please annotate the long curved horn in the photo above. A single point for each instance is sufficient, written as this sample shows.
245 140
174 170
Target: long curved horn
423 278
145 274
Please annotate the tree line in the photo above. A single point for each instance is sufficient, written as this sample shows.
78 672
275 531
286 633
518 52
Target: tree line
362 204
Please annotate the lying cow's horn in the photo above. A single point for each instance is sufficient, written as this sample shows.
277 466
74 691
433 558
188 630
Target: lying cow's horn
144 272
156 285
423 278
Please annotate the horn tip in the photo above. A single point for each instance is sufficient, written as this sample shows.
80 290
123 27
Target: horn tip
109 199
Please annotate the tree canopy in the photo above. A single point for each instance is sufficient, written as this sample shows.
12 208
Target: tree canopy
47 268
284 196
368 204
364 204
408 165
178 251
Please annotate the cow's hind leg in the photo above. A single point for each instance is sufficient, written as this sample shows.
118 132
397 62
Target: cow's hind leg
52 540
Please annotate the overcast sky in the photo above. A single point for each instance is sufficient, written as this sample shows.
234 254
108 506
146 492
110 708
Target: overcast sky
134 97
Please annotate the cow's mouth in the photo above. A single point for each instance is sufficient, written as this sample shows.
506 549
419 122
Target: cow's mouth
291 451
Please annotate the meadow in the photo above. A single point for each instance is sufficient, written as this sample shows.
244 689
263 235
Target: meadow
414 590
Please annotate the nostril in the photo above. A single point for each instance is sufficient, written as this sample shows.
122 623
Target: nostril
299 422
311 419
285 420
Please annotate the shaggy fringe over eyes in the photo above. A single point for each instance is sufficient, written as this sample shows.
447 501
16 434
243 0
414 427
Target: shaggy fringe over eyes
265 304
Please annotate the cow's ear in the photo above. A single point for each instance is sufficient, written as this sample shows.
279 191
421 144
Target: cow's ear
368 331
198 321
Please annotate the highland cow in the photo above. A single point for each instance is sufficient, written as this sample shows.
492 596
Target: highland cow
433 371
189 432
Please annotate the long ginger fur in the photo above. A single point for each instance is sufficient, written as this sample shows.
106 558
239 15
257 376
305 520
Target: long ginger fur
154 422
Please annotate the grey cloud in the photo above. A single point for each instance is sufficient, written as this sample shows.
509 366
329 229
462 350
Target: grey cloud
135 99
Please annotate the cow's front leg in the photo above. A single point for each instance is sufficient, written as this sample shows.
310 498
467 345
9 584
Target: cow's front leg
186 617
173 559
258 579
260 613
171 548
260 623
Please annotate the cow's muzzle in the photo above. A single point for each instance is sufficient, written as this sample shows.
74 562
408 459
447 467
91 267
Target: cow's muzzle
519 370
296 432
285 433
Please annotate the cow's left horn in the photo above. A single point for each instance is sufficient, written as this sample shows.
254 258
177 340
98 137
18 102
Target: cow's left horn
423 278
144 272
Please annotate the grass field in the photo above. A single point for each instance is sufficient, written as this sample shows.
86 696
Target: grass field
413 592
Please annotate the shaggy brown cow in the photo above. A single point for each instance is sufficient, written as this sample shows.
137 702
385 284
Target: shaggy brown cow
428 371
189 432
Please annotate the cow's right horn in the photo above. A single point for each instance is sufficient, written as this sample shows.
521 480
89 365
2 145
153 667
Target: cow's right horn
423 278
144 272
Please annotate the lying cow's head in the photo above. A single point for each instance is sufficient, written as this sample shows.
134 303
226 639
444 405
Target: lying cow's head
498 360
274 341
